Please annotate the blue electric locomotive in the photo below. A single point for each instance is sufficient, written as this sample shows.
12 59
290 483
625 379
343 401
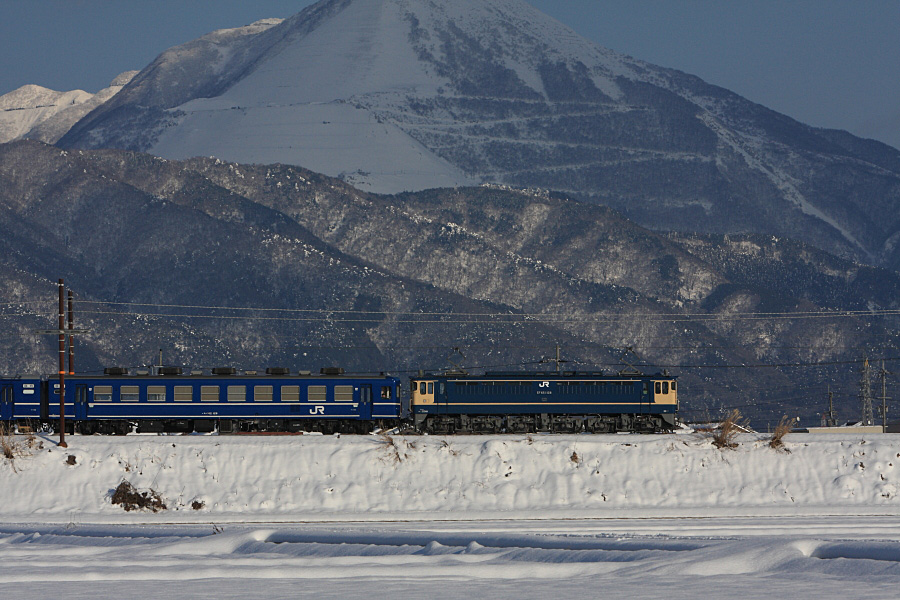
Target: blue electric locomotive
118 403
560 402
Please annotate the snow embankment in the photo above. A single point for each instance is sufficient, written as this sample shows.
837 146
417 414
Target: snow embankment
203 478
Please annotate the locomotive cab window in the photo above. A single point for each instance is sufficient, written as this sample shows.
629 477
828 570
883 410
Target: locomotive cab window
665 386
423 387
673 386
658 387
430 388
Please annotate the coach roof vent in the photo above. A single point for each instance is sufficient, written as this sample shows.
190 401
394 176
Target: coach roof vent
170 371
115 371
331 370
278 371
224 371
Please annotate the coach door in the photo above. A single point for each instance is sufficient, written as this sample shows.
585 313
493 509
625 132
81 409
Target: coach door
6 402
365 402
81 401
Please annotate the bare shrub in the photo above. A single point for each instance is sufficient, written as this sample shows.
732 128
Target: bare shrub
575 458
129 498
12 448
723 436
198 504
782 429
391 448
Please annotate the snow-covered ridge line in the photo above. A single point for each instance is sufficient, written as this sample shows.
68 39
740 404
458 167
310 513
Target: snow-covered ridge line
370 477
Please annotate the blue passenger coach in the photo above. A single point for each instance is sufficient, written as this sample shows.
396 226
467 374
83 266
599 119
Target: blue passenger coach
118 402
20 399
563 402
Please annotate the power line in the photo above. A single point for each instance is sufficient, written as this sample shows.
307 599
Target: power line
496 318
663 316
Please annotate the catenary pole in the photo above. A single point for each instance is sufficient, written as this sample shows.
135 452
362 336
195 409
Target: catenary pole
62 366
71 336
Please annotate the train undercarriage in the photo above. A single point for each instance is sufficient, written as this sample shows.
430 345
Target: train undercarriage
221 426
543 423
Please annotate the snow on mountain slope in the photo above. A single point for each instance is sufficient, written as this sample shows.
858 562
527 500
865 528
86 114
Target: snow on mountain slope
396 95
54 127
22 109
41 114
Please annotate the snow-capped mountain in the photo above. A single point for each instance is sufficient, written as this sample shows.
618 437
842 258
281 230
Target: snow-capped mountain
42 114
395 95
23 108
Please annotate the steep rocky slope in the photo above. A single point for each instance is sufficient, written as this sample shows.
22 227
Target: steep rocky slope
315 272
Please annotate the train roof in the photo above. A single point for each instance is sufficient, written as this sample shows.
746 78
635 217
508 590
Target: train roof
543 375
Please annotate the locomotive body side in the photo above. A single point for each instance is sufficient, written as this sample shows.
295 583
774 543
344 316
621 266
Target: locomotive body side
523 402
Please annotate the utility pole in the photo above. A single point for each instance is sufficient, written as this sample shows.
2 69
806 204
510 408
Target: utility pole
62 366
884 373
61 332
865 394
558 360
71 337
830 416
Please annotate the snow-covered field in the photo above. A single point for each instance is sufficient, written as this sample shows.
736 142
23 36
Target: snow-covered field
409 517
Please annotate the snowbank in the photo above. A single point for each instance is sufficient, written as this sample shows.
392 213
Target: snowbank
250 478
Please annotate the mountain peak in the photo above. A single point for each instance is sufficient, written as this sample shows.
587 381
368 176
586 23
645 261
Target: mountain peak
395 95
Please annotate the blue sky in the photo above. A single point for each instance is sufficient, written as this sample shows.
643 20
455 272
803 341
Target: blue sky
831 63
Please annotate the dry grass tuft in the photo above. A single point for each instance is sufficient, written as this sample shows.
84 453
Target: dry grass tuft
130 498
394 453
782 429
724 435
446 444
12 447
575 458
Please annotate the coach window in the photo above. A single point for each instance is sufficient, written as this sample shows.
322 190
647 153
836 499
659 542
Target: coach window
237 393
343 393
102 393
184 393
209 393
316 393
156 393
262 393
290 393
386 392
129 393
